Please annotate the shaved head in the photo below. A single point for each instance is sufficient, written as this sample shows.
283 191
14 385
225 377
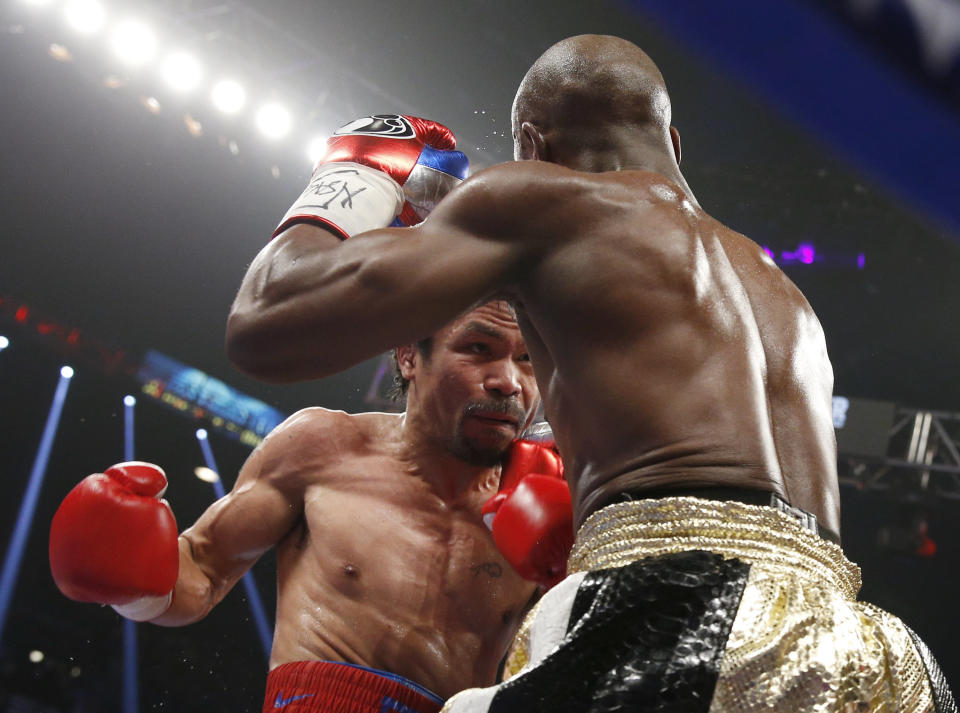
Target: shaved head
584 86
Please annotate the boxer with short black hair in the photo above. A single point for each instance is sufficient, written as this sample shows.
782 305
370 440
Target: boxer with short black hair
687 382
391 592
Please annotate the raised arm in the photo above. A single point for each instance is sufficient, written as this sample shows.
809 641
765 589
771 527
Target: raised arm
377 171
310 306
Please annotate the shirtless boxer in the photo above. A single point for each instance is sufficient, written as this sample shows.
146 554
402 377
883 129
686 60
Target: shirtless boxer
391 592
688 385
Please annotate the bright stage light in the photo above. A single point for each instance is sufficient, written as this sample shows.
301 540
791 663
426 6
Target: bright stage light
4 343
85 16
228 96
274 121
182 71
151 104
316 148
59 53
201 434
193 126
129 401
133 42
66 372
207 475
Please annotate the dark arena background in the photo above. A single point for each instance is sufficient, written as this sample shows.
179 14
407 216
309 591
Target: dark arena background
135 188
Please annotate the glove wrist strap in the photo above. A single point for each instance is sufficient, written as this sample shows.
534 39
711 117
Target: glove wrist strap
145 608
347 198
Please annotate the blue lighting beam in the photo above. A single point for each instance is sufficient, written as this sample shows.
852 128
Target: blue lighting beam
264 630
21 530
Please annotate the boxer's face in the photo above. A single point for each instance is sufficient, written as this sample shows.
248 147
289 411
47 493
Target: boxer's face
477 386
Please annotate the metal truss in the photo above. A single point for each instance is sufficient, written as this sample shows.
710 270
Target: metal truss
922 461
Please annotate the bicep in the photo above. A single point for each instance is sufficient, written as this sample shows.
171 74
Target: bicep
239 527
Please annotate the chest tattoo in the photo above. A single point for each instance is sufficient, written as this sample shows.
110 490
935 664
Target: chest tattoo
492 569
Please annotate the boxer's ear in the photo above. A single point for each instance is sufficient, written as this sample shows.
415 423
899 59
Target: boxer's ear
407 359
533 147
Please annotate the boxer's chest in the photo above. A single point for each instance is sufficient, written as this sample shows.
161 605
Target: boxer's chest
381 538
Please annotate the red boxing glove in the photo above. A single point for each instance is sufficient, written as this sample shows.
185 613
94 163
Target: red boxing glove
380 170
531 516
113 540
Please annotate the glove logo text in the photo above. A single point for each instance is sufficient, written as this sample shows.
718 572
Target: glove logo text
335 188
388 126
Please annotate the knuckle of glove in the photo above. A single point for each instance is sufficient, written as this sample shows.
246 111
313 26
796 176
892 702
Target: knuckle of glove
525 457
139 477
433 133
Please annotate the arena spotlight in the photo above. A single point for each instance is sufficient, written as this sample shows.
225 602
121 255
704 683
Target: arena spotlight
274 121
181 71
85 16
194 127
4 342
207 475
133 42
129 401
151 104
66 372
228 96
316 149
59 53
201 434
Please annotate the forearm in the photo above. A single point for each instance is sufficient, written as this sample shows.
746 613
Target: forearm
268 330
377 171
194 594
306 312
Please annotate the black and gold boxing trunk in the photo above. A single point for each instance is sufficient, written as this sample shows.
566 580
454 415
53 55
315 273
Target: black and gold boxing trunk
684 605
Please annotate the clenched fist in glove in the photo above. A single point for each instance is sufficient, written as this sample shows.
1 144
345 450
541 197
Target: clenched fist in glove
531 516
113 540
377 171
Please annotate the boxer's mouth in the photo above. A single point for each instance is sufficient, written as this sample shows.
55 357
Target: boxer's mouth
496 417
505 412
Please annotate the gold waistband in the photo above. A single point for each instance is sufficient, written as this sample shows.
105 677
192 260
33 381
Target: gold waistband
625 532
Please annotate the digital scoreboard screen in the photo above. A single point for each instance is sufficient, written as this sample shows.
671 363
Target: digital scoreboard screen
200 396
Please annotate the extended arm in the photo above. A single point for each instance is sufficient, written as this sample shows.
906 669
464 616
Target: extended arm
233 533
114 541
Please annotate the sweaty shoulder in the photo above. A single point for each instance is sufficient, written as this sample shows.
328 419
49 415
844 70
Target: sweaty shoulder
525 200
314 437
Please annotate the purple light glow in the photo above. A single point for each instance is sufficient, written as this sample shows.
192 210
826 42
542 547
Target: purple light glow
861 261
806 253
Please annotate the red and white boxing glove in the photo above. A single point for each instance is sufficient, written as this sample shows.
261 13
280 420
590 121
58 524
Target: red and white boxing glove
113 540
531 516
377 171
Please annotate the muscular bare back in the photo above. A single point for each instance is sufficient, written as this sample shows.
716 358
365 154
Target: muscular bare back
672 352
376 568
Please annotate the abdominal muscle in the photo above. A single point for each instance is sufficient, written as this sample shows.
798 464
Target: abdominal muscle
434 605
